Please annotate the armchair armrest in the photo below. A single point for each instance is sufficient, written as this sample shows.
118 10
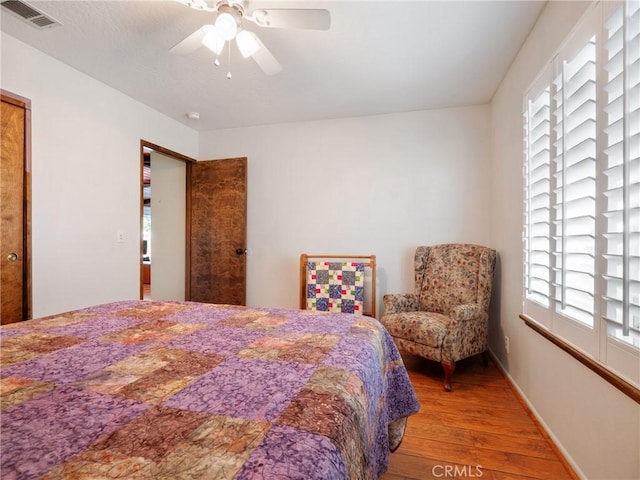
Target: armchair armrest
469 311
400 302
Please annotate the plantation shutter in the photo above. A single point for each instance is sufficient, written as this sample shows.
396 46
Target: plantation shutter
581 231
622 173
537 234
574 181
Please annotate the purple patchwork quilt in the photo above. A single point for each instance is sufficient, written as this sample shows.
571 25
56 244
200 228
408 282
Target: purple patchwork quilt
180 390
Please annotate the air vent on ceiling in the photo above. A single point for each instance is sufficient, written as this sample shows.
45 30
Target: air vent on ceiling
29 14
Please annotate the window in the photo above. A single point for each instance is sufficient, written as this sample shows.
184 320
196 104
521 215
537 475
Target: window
582 190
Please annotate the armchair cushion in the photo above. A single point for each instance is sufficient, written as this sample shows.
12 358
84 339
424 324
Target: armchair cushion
424 328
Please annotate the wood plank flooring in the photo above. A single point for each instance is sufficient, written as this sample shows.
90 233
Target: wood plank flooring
480 430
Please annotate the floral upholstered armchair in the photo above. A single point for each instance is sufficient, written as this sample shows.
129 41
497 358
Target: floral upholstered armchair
446 318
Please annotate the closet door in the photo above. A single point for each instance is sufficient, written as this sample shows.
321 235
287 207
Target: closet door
14 210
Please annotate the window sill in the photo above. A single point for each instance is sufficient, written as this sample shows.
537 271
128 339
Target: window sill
625 387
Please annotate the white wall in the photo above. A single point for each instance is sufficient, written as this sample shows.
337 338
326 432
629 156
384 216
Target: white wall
86 179
370 185
598 426
168 227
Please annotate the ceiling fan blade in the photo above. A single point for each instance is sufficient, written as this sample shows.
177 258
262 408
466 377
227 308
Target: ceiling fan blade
192 42
265 59
312 19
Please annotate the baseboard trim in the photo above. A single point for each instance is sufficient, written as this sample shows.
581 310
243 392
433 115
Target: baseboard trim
566 460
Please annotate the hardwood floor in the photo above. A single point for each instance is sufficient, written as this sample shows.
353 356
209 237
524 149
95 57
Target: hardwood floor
480 430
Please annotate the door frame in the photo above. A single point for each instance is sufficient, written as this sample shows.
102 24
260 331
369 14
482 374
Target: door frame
189 161
27 299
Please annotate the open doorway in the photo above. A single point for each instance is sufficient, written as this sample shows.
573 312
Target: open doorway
163 223
146 226
208 255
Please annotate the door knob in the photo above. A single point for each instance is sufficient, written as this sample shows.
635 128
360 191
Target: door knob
240 251
12 257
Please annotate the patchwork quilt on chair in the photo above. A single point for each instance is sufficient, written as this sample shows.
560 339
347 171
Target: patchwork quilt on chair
335 286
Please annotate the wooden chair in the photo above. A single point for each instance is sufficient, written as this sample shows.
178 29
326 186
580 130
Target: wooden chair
338 283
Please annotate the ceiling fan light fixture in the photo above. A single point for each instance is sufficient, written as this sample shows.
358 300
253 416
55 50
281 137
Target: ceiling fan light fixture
247 43
226 26
213 41
228 18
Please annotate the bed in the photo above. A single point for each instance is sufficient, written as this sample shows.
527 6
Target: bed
177 390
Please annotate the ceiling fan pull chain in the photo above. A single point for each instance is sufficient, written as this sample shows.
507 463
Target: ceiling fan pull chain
229 60
218 53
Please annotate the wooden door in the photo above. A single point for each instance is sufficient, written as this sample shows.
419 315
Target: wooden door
217 231
14 210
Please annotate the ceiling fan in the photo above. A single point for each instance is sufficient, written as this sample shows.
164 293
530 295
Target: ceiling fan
227 25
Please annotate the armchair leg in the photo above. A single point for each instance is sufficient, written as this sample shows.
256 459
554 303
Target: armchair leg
485 358
448 369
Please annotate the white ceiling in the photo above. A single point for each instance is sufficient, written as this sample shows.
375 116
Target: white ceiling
378 57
